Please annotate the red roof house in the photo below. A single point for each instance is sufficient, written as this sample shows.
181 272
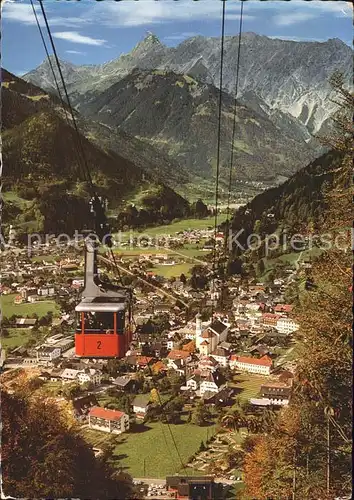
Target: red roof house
254 365
113 421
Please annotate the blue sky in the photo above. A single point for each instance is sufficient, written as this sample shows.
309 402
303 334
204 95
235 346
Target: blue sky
94 32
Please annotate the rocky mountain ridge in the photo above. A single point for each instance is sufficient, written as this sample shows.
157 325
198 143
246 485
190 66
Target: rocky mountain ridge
179 115
289 76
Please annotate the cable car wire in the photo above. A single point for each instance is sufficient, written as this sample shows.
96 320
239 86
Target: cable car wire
81 148
233 129
47 54
218 149
219 131
54 77
116 266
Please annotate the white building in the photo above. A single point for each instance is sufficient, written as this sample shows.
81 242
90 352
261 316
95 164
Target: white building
192 384
89 375
286 325
221 356
269 402
212 383
113 421
69 375
48 353
46 291
260 366
140 406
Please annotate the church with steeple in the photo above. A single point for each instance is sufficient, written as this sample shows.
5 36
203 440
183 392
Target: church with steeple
210 334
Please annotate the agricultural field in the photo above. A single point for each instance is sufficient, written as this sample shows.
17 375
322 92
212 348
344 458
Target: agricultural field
175 227
247 385
150 443
40 308
16 338
172 271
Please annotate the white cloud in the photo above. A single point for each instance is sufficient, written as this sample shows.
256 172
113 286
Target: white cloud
23 13
76 52
146 12
74 37
181 36
291 18
338 7
300 11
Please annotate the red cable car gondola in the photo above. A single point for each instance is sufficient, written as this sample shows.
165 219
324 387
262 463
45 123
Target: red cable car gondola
104 315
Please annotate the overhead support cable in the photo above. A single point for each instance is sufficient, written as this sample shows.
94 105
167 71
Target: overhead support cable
47 52
79 139
219 137
227 249
55 78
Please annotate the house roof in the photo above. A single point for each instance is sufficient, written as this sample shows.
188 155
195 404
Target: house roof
264 361
69 373
190 347
141 401
208 395
218 326
283 308
178 354
208 360
143 360
196 377
159 366
216 378
99 412
26 321
46 349
121 381
285 375
81 403
208 334
174 481
219 351
269 391
205 342
270 316
177 362
275 385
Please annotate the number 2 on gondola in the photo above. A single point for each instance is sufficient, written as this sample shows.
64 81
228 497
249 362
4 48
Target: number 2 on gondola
99 344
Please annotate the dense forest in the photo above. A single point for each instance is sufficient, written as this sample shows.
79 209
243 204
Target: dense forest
45 179
307 452
43 454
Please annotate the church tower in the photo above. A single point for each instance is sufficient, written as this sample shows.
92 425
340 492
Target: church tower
198 330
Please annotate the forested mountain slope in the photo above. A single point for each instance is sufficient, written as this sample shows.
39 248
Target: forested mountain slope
43 171
179 116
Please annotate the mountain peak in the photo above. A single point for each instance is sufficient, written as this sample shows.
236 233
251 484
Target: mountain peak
52 58
150 42
336 42
151 37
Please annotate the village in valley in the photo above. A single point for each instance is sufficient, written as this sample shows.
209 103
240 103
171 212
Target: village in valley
210 361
